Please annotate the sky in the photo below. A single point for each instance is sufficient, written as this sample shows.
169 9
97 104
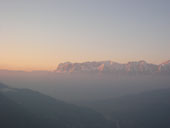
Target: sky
40 34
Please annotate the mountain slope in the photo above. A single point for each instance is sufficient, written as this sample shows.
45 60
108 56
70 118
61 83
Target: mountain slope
145 110
48 112
164 67
12 114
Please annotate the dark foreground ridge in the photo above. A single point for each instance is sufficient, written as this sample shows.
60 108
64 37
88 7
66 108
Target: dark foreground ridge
144 110
24 108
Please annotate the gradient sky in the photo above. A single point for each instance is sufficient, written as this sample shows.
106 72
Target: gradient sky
39 34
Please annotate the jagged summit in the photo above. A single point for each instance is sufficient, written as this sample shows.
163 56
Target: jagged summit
164 67
113 67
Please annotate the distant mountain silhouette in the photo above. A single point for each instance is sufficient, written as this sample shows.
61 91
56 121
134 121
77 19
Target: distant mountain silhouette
136 67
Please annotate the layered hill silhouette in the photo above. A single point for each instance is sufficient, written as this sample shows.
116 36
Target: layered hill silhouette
24 108
144 110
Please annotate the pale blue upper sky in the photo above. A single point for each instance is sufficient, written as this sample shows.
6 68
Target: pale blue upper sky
39 34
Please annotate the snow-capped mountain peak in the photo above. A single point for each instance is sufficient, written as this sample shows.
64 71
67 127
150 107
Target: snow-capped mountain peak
113 67
164 67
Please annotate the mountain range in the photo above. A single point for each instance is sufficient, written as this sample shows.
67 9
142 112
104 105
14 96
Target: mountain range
134 67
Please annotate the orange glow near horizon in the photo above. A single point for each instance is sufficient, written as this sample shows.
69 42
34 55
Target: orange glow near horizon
44 65
40 35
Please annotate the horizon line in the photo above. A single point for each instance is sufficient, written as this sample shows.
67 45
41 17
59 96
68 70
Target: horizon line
47 70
